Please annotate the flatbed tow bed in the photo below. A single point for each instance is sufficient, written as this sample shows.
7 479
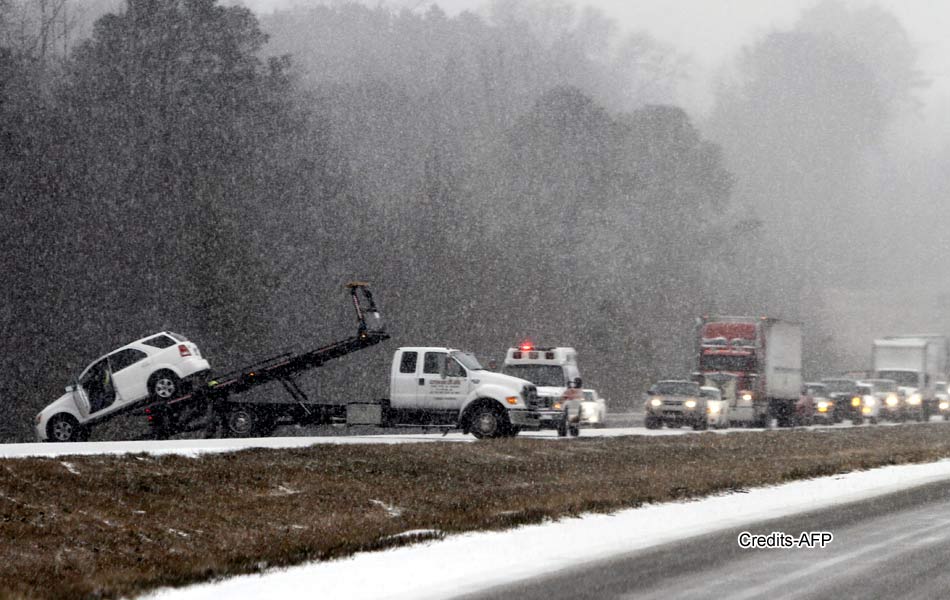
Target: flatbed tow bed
210 406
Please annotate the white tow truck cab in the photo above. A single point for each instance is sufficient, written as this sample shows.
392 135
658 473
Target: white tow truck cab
558 379
447 387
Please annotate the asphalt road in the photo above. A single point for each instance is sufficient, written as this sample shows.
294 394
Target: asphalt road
895 546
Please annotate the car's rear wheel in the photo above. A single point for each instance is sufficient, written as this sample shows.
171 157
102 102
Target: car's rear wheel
63 428
164 385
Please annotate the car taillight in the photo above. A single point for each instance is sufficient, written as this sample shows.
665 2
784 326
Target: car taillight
183 350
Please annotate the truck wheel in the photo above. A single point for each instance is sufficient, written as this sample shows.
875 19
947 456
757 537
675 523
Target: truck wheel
562 428
700 426
488 422
652 423
240 422
574 430
164 385
63 428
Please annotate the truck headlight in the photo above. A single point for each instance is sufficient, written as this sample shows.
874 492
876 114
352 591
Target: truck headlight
856 401
656 402
866 410
557 406
823 406
892 400
914 399
746 396
869 401
944 405
690 404
713 409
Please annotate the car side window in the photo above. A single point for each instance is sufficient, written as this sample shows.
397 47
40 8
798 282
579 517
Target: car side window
408 362
159 341
433 362
454 369
125 358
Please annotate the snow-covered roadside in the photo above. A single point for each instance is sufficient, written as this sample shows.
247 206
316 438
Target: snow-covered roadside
194 447
465 563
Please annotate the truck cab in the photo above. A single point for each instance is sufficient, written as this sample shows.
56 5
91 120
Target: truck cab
446 386
555 373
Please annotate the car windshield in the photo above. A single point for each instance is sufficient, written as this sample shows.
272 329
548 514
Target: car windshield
940 388
839 386
468 361
708 393
727 362
815 390
589 396
676 388
907 378
539 375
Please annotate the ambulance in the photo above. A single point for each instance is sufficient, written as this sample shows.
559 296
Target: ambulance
555 373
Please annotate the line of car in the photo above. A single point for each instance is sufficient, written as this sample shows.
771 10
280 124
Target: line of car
681 402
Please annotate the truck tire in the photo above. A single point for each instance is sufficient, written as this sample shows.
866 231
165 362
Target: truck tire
63 428
240 421
574 430
562 428
489 422
652 423
700 426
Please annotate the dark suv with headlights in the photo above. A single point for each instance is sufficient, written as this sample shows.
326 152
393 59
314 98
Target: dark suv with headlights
675 402
847 397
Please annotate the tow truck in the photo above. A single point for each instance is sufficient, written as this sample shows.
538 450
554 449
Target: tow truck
429 387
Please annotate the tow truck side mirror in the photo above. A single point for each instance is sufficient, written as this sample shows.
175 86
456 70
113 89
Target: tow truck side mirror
578 383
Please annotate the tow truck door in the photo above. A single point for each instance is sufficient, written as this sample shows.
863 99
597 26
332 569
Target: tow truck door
405 381
443 383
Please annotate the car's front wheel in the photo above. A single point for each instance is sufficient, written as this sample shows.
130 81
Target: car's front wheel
63 428
164 385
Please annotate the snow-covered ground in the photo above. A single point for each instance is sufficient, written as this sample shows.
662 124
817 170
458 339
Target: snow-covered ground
193 447
466 563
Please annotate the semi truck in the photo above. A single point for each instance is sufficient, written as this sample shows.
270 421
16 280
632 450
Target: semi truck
916 363
763 354
437 387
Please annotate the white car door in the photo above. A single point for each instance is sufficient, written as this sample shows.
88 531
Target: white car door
406 381
97 393
130 372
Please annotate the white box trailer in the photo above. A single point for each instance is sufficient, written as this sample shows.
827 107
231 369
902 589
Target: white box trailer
915 362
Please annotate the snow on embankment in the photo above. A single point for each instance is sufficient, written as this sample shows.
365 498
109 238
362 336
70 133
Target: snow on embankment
466 563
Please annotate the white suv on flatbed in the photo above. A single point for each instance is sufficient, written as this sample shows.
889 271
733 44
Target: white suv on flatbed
161 365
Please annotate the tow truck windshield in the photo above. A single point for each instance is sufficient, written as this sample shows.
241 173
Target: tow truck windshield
468 361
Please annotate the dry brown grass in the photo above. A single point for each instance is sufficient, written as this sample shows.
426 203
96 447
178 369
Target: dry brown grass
125 525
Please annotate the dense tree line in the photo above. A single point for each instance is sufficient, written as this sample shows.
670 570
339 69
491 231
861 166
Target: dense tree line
495 178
